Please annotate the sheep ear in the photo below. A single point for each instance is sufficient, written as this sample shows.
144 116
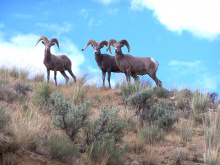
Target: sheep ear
43 42
101 46
53 43
122 45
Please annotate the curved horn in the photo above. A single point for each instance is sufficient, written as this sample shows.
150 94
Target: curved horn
93 42
112 41
56 41
103 43
41 38
126 43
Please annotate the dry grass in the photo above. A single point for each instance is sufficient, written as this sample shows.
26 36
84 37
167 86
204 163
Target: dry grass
28 127
188 142
212 138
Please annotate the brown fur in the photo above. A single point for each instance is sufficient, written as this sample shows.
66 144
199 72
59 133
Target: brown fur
105 62
55 63
133 65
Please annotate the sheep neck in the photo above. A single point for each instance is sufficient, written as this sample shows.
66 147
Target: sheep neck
98 57
119 55
47 56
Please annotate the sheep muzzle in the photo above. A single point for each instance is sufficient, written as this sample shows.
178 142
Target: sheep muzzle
95 51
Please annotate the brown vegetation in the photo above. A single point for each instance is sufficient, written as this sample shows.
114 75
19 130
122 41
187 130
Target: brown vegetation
28 132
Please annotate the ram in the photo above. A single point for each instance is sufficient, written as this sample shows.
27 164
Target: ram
134 65
105 62
55 63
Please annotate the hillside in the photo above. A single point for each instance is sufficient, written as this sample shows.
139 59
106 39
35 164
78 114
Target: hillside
84 124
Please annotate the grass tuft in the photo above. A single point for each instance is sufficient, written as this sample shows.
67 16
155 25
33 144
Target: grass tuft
62 148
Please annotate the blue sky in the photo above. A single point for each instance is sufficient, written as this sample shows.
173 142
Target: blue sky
183 36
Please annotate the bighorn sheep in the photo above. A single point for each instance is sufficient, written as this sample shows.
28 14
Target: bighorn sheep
134 65
55 63
105 62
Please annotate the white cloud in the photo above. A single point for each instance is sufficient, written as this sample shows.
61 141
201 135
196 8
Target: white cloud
196 73
20 51
70 49
58 29
207 82
106 2
94 22
199 17
184 64
113 11
184 68
84 13
91 22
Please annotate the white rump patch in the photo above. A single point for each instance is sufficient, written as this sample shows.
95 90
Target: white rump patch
155 62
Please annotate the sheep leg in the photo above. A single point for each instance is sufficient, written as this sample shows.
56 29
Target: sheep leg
64 75
135 77
71 73
55 76
103 78
128 76
157 81
48 75
109 75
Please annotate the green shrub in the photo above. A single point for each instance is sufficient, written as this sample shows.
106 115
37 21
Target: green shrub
142 102
23 74
10 93
199 102
185 93
130 88
164 115
39 77
14 72
107 125
22 88
212 138
97 98
3 119
141 99
181 104
80 89
42 94
7 93
4 71
151 134
4 82
161 92
105 151
186 131
79 92
69 116
211 156
146 83
61 148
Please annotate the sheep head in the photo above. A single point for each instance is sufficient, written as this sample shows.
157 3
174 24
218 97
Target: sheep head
117 45
48 43
96 46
